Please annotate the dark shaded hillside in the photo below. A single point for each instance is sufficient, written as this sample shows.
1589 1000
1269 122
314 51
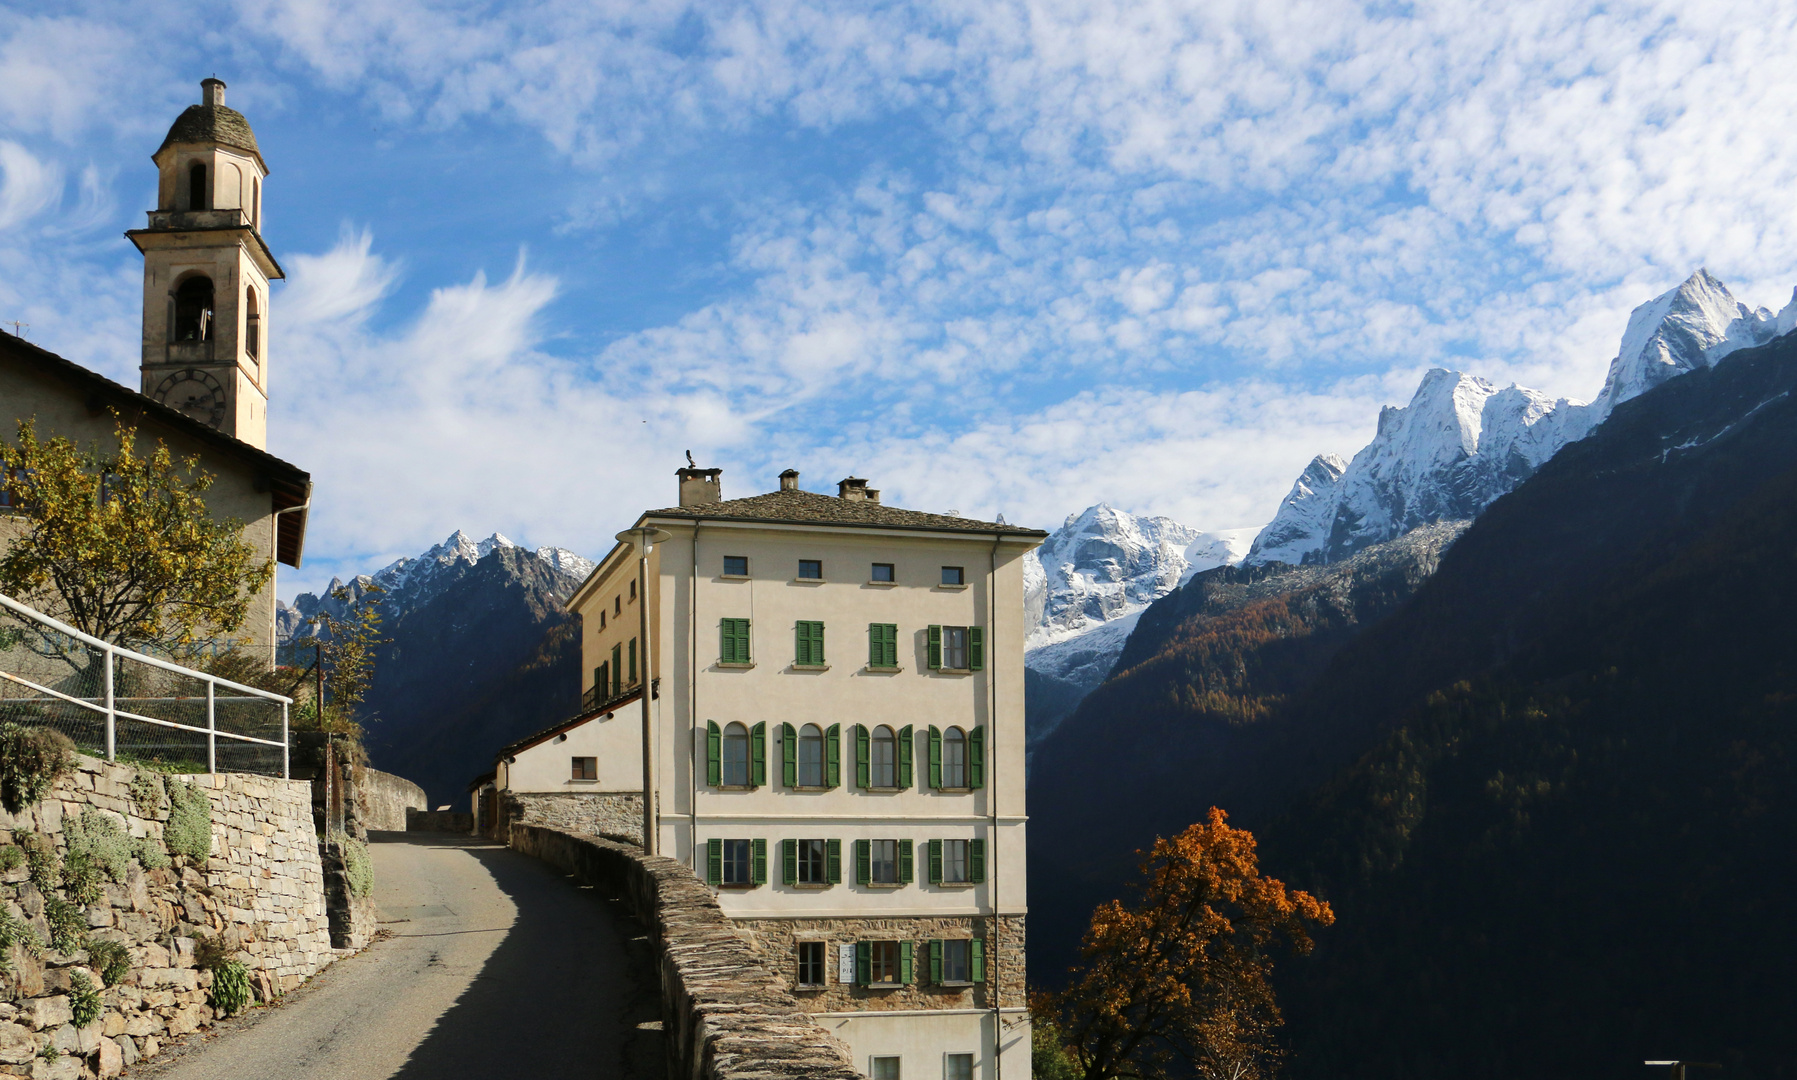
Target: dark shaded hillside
1558 827
1205 672
450 654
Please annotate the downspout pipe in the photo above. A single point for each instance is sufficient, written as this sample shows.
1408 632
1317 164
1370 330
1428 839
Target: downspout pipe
998 1016
692 700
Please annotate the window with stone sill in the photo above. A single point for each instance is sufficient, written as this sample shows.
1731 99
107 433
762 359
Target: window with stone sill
812 972
585 768
884 1068
957 1067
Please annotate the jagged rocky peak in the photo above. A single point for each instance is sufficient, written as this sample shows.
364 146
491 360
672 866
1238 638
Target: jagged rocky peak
1103 564
405 582
1462 442
1684 329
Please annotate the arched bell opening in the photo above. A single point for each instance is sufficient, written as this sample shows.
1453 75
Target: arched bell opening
199 195
193 309
252 324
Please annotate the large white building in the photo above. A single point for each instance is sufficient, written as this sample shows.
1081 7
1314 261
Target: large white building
837 717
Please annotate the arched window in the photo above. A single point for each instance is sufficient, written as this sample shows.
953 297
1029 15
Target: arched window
252 323
193 309
736 756
811 756
954 758
198 194
884 771
256 203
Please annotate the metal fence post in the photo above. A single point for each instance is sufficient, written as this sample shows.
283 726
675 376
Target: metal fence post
211 727
112 716
286 744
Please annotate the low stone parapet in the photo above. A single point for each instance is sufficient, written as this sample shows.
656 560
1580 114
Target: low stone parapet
451 821
726 1015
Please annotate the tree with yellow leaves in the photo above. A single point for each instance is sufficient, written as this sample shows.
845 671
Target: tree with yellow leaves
1180 980
120 544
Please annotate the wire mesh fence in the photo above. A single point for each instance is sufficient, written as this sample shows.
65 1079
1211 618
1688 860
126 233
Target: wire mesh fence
115 702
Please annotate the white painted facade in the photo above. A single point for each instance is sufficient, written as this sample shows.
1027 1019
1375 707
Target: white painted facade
689 594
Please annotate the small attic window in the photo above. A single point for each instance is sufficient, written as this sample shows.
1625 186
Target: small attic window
197 191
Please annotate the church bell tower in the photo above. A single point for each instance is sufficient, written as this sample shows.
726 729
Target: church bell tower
206 272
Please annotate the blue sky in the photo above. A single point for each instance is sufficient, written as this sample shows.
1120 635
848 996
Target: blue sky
995 256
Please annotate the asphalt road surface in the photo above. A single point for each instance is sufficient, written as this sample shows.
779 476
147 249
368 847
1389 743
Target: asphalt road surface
499 966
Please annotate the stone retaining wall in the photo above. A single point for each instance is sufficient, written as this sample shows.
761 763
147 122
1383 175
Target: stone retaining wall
614 815
725 1014
260 895
386 799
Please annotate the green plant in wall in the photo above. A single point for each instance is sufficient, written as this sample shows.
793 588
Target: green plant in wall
146 792
11 858
31 759
16 931
110 958
41 857
231 987
150 853
97 846
67 923
84 999
357 866
189 830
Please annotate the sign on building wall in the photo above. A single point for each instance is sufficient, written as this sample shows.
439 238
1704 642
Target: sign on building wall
845 963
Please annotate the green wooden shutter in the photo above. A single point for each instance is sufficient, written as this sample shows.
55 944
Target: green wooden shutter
758 754
789 755
906 969
801 645
876 652
864 963
976 648
714 861
935 649
742 642
789 861
817 642
714 754
862 751
890 645
863 857
976 861
904 868
833 861
935 960
935 862
976 757
935 758
727 641
758 862
906 740
977 957
617 670
833 756
633 679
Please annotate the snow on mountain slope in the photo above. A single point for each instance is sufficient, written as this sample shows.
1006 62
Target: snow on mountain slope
408 582
1462 442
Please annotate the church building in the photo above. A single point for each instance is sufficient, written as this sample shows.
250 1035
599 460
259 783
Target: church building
204 377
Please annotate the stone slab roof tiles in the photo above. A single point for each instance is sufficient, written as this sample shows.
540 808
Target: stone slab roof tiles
798 507
212 123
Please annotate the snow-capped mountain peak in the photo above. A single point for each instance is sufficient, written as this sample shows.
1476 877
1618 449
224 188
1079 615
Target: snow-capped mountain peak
1681 330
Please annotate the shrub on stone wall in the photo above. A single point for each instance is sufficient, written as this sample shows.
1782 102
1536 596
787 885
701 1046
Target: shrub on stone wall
11 858
84 999
41 857
147 792
16 931
68 922
110 958
150 853
97 845
231 987
31 758
189 830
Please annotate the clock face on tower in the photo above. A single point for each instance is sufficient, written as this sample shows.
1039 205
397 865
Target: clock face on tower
195 393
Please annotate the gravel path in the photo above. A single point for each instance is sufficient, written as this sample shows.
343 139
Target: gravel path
497 966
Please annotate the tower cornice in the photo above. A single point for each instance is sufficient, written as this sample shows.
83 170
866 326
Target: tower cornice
176 236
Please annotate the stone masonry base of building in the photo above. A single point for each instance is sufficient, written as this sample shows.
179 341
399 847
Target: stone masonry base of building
1004 958
614 815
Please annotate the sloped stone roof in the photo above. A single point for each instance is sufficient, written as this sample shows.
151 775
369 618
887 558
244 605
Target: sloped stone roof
799 507
212 123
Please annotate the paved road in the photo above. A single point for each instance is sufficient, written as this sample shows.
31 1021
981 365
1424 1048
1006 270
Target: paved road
498 967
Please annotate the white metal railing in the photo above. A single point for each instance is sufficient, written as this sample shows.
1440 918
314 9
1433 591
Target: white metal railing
45 652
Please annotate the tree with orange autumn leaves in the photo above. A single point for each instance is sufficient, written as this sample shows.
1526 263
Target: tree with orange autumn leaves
1180 980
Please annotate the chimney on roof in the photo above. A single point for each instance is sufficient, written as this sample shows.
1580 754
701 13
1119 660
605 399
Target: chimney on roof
212 92
789 480
854 489
700 487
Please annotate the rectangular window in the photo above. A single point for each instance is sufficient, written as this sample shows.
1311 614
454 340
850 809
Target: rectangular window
633 592
811 963
811 569
633 661
884 1068
883 963
954 862
602 681
736 864
954 575
586 768
882 572
811 869
809 644
882 645
733 647
601 618
883 862
957 961
617 605
736 566
957 1067
617 670
954 648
